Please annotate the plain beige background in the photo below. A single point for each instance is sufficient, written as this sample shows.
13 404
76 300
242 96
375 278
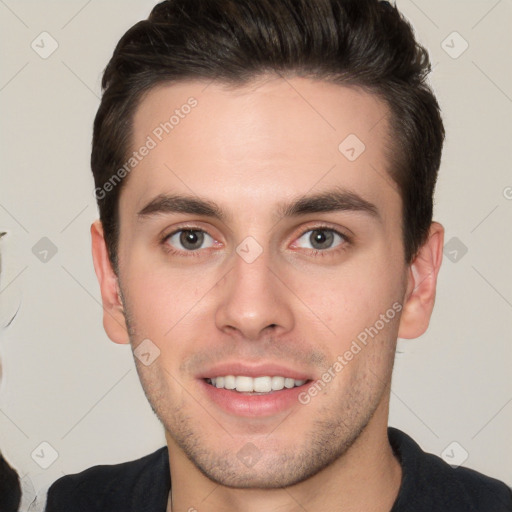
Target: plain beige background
67 385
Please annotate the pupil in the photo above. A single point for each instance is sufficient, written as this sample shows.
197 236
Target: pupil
321 239
191 240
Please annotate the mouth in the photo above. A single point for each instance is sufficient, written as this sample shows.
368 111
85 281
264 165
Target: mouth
255 386
253 397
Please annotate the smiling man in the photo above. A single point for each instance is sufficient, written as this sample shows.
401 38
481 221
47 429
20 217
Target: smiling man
265 173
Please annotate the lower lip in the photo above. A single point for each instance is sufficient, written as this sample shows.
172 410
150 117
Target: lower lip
252 406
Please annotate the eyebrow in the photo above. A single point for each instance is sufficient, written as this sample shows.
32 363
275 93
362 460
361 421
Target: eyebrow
181 204
329 201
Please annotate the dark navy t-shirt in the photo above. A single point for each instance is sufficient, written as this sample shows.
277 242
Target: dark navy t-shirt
10 492
428 485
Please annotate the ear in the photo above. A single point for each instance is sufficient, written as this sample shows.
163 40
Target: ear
421 285
114 321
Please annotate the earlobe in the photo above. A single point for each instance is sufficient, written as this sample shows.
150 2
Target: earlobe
421 285
114 321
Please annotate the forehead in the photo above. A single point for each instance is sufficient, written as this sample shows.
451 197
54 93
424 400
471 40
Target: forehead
271 138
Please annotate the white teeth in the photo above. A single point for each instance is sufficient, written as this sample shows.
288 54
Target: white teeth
288 383
262 384
244 384
277 383
229 382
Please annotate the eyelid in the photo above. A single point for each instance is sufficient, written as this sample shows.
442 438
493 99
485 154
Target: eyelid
325 227
167 234
173 234
186 226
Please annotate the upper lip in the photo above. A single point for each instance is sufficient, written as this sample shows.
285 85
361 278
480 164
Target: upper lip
259 370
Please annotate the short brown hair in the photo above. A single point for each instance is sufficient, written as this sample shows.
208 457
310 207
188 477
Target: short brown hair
363 43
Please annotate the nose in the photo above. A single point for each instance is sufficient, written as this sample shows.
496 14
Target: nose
253 300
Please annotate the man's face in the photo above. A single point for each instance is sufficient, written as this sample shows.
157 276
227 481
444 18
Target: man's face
261 292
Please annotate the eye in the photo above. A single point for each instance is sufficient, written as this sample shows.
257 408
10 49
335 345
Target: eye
321 239
189 240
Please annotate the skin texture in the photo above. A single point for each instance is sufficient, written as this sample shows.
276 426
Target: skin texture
250 149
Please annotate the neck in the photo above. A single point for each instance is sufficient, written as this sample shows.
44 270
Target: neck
366 477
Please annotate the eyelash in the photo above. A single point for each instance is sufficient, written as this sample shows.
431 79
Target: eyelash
171 250
347 241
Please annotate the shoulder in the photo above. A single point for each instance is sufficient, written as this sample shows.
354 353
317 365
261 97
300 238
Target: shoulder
429 483
114 487
10 493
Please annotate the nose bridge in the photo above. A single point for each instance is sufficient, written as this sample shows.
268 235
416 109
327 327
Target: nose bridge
252 298
251 272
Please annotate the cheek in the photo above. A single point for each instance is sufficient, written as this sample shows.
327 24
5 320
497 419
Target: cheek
352 296
358 338
164 303
154 302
